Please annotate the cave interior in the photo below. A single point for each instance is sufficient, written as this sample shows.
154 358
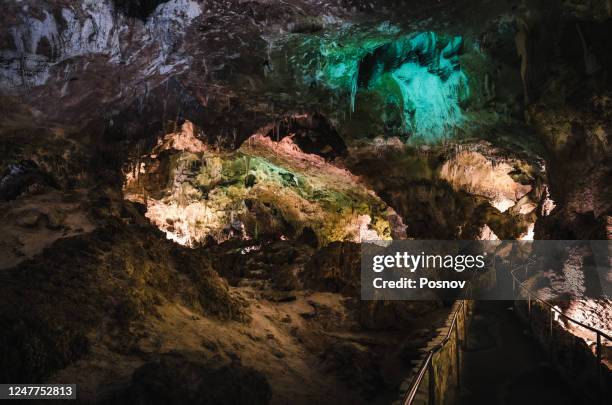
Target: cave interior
185 186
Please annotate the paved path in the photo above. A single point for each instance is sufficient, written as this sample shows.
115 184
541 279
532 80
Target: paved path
505 365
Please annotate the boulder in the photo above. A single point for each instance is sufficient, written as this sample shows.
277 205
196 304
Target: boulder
177 378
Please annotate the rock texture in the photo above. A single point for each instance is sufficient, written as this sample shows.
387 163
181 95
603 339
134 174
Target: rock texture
266 189
194 382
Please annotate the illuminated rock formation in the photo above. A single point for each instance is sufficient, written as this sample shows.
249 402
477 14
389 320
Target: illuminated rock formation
184 184
264 189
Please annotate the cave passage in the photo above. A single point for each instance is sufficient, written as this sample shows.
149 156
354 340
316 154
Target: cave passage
504 364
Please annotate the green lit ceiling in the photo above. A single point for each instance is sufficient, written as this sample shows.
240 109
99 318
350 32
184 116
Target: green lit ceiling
412 84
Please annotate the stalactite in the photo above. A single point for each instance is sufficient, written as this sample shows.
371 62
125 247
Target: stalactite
353 90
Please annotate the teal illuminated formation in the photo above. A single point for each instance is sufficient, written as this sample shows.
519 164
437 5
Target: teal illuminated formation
413 85
430 83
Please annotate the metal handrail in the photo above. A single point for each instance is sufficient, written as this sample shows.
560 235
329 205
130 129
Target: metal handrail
411 393
598 333
552 307
427 362
416 384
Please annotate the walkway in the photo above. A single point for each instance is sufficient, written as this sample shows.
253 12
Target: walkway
504 365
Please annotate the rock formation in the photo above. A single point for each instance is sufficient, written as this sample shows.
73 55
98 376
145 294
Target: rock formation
184 184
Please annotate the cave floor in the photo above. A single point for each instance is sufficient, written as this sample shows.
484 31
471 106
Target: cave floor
505 365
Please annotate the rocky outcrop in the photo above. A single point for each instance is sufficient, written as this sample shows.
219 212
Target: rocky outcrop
563 65
47 35
178 378
335 268
35 220
451 192
116 277
579 167
474 173
266 189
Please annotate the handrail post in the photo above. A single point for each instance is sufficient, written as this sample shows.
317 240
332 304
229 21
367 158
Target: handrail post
599 384
457 355
550 325
465 326
432 384
529 307
550 341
